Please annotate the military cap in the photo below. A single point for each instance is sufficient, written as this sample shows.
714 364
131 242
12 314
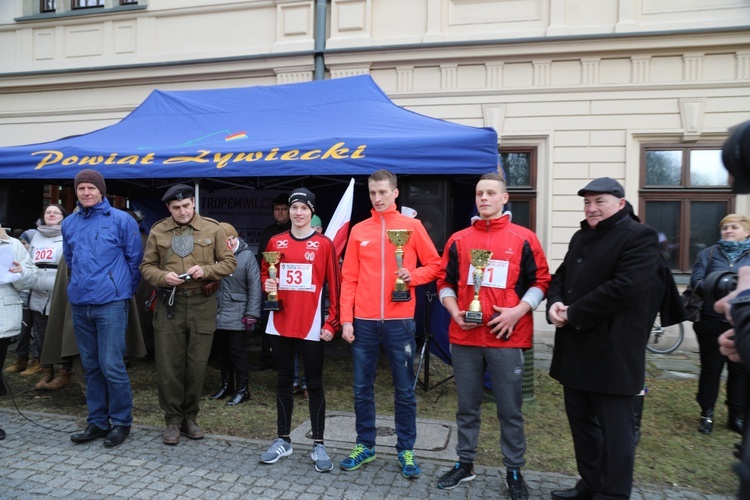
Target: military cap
178 192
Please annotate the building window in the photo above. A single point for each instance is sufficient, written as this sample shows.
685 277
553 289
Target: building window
128 2
86 4
519 166
684 194
47 6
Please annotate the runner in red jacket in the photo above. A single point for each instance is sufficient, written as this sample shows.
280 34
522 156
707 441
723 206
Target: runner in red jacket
308 261
514 283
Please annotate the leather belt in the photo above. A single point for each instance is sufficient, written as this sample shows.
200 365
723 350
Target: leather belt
185 292
46 266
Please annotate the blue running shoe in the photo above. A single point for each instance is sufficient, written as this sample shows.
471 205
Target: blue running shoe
409 468
360 455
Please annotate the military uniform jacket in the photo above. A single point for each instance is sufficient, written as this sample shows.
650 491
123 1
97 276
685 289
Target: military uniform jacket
210 252
606 280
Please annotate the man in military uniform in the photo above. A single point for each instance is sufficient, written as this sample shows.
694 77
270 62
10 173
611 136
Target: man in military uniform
184 253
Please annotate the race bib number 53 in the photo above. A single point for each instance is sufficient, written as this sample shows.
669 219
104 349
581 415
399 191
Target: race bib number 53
296 277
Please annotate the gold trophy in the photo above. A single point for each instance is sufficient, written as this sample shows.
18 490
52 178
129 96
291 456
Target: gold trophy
399 237
479 259
273 303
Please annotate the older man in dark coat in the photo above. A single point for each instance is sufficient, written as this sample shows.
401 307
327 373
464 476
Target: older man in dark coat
598 302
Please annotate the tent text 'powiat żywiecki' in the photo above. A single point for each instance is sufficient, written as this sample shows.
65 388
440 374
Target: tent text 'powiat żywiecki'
344 126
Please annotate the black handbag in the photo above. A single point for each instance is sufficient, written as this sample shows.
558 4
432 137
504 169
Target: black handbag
693 304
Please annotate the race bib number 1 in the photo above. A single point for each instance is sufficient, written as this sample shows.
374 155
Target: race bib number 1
495 274
296 277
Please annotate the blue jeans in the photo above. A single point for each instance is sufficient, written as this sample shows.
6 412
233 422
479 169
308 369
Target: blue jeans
100 334
397 339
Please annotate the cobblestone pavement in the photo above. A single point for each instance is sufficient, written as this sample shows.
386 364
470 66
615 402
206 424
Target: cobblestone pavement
42 462
38 460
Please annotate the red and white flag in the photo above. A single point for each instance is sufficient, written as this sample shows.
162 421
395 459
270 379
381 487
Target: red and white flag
338 228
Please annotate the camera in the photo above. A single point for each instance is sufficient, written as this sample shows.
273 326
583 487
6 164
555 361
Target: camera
185 277
735 153
718 284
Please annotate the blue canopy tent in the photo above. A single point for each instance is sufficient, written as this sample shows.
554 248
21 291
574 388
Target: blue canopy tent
322 129
344 126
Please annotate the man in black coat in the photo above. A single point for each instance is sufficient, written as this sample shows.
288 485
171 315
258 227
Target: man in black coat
598 300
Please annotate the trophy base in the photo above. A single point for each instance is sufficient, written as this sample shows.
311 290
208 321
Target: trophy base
400 296
272 305
474 317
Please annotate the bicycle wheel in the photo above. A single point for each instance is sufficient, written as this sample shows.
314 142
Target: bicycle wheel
665 340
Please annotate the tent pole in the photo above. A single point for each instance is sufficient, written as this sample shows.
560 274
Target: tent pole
321 16
198 196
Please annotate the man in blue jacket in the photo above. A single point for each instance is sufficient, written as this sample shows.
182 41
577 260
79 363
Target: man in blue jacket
102 248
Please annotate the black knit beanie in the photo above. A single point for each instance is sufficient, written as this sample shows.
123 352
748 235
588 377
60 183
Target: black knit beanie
303 195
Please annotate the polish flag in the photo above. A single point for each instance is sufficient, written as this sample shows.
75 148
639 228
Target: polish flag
338 228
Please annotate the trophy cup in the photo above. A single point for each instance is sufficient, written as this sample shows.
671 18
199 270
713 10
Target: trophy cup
399 237
479 259
273 303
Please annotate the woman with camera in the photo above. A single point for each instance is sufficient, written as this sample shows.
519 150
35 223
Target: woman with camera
730 253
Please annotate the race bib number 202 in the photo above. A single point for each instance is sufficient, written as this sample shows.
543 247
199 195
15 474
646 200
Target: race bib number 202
45 254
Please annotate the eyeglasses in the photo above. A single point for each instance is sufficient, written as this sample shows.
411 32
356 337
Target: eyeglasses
54 212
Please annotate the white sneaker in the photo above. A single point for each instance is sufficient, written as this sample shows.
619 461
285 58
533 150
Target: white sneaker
320 457
279 448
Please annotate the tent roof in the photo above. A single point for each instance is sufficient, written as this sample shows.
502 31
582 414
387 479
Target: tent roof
344 126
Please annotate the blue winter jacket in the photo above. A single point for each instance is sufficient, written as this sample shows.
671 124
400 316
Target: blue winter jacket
102 247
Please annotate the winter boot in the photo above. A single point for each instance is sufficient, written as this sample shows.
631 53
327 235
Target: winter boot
227 386
736 421
243 394
47 375
20 365
62 378
707 421
32 369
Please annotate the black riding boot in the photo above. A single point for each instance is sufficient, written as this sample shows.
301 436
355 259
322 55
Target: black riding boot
243 394
707 421
227 385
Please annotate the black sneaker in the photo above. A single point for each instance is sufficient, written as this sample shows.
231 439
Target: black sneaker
517 489
458 474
